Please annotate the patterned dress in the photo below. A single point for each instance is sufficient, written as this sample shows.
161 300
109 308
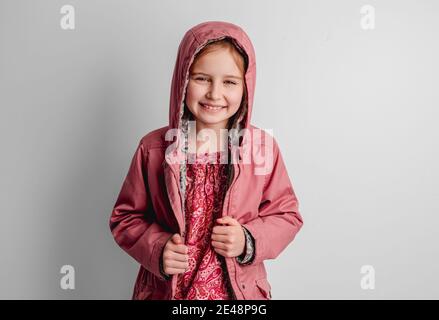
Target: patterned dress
206 277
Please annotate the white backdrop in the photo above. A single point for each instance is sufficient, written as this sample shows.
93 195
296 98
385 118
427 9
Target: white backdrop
354 111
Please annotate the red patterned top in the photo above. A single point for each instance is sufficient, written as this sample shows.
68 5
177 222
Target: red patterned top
206 277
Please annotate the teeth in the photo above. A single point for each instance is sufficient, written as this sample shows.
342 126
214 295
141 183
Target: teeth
210 107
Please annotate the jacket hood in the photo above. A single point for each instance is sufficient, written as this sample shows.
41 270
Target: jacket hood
194 40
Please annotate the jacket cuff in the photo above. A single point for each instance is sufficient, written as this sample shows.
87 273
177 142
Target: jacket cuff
248 254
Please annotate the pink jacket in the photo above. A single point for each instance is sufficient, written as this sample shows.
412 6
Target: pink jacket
149 208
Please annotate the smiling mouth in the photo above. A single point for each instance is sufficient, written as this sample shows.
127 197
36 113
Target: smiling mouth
210 107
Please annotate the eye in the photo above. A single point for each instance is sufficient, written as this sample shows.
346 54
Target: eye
230 82
201 78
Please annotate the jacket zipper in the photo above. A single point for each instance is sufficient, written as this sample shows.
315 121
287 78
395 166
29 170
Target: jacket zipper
229 192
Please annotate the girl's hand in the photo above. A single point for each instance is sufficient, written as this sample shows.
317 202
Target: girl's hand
175 257
228 240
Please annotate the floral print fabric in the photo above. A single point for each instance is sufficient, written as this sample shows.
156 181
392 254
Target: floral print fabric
206 278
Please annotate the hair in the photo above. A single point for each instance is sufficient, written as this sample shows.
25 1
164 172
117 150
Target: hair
241 60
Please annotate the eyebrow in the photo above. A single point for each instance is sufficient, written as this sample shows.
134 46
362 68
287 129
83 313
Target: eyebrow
205 74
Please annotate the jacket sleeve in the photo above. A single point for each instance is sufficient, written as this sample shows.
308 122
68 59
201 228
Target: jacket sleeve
132 220
278 219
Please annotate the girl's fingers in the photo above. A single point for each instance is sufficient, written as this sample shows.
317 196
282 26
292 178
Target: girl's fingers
174 271
222 252
176 264
179 257
219 245
220 230
220 238
179 248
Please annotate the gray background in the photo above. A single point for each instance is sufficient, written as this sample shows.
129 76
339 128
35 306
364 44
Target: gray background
354 112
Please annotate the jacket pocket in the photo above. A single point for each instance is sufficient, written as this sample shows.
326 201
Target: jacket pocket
264 288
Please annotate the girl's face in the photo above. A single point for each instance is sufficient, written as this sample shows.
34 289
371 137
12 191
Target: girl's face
215 89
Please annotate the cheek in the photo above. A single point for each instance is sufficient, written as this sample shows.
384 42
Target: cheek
235 98
193 93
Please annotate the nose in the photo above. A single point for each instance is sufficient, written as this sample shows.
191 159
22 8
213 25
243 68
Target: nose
214 92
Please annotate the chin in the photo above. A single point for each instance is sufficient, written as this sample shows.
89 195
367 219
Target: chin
211 121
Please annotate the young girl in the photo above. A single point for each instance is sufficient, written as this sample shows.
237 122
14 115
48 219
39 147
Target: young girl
202 222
